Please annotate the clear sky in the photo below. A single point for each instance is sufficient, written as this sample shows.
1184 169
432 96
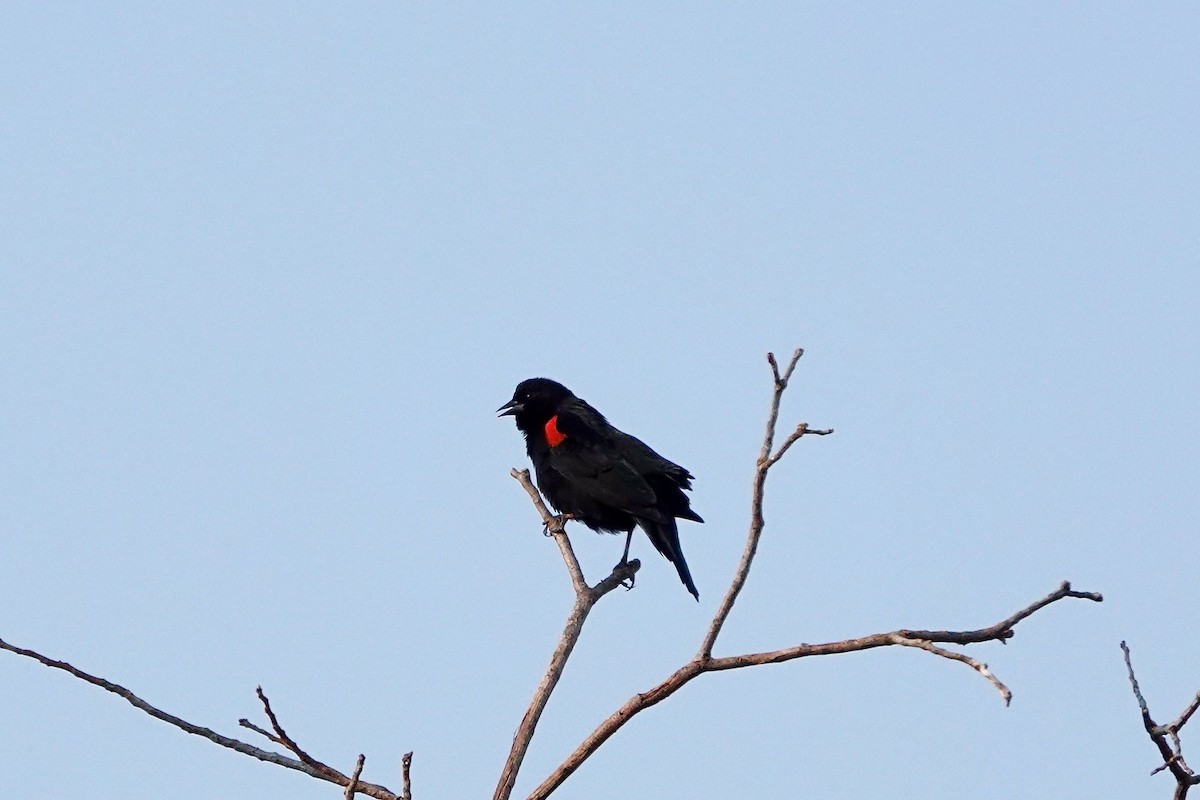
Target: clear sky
267 270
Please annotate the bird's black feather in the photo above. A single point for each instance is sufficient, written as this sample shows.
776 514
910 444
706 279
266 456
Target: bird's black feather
603 477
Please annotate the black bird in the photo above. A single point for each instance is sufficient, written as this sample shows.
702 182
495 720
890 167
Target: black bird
603 477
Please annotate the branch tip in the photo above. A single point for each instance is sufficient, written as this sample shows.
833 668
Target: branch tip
1172 755
352 786
704 661
405 776
314 769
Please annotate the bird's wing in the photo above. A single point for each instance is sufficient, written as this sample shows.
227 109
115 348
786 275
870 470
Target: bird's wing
592 460
645 460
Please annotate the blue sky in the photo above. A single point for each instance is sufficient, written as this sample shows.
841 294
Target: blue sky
268 271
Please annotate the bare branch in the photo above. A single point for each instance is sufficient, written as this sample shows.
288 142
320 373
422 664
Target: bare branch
601 734
585 598
245 723
1137 690
998 632
1172 756
282 734
704 661
406 776
780 384
757 521
319 771
978 666
1186 715
524 734
555 527
801 430
352 787
1003 630
621 575
701 664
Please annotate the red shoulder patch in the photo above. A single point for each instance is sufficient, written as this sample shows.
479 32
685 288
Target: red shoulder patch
553 435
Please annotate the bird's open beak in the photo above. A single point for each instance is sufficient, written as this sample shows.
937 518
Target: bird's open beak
509 408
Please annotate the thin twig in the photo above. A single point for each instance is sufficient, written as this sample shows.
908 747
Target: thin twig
757 521
245 723
321 772
976 665
1137 690
781 382
1186 715
406 776
556 527
282 734
1003 630
801 430
352 787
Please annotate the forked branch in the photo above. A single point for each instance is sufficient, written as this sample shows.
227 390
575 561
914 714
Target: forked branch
704 661
766 460
585 598
701 664
1171 751
304 763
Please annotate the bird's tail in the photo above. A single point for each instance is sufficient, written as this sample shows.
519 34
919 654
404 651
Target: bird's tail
665 538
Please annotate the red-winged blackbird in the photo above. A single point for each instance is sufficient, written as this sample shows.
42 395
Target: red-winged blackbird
606 479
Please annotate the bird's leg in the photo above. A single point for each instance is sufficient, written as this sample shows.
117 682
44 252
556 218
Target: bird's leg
559 521
628 583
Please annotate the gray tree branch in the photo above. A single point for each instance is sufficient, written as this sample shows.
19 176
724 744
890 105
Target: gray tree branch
1172 751
312 768
704 661
585 598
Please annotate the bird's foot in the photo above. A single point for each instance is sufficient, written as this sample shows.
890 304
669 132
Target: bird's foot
559 521
631 574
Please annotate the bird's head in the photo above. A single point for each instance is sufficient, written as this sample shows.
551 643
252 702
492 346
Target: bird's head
534 402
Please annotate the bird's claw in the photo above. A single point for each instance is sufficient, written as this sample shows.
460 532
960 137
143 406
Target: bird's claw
628 581
559 521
